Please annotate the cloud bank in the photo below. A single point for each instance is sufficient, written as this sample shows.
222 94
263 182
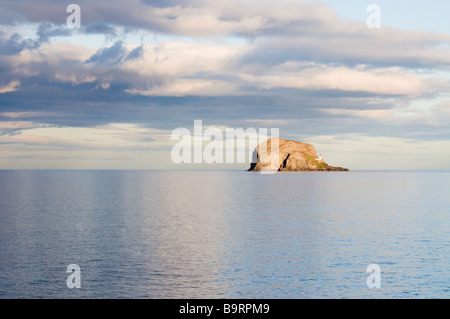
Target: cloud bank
158 65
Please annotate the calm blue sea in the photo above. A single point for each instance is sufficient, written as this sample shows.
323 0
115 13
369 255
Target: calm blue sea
224 234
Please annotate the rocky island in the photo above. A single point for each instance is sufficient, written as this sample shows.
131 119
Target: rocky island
292 156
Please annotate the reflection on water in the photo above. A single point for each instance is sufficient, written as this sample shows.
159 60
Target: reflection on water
224 234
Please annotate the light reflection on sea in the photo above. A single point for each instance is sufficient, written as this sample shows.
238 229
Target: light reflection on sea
224 234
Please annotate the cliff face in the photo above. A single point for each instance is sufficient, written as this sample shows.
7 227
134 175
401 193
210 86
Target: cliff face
293 156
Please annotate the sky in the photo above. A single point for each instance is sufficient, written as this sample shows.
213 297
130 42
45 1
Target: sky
108 95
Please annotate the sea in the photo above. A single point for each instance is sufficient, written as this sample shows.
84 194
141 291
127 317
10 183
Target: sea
224 234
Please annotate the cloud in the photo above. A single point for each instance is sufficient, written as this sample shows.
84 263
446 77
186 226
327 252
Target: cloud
109 56
10 87
15 125
185 87
443 109
17 115
112 136
136 53
371 114
115 55
47 30
13 44
358 151
100 28
290 64
375 81
188 18
267 122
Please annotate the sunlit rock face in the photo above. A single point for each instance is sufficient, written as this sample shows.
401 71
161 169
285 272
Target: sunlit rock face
291 156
